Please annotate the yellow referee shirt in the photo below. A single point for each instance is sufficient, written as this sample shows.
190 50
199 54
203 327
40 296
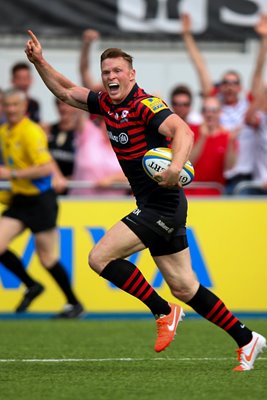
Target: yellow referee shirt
23 146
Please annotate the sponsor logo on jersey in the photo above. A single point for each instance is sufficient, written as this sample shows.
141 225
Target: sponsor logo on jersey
154 104
122 138
112 137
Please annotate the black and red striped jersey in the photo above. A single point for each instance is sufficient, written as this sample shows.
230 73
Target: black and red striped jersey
132 127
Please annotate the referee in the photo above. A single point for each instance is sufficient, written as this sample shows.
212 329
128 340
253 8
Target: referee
29 166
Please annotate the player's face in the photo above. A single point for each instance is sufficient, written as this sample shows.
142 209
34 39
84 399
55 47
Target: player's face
118 78
14 108
22 80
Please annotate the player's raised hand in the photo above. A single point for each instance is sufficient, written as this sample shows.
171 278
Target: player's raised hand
33 48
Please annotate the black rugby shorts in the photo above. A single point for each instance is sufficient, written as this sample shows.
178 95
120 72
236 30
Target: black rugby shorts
162 235
38 212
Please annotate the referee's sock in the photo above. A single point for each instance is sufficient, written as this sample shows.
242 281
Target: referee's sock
129 278
14 265
60 276
212 308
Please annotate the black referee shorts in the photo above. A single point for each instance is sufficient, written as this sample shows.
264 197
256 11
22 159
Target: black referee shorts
38 212
161 234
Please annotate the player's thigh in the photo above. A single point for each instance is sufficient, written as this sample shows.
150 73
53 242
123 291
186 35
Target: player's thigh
9 229
119 242
177 269
46 246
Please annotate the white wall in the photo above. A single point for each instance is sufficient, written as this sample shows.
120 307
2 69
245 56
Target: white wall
158 70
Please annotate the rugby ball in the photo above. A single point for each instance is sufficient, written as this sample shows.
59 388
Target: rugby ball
158 160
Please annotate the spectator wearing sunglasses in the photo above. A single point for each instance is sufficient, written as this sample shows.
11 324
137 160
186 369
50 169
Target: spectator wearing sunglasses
234 106
229 91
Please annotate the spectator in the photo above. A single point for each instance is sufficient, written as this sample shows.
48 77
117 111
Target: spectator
256 125
21 78
229 89
96 162
61 138
234 107
181 102
213 151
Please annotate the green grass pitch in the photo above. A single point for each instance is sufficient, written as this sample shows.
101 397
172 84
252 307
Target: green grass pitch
46 359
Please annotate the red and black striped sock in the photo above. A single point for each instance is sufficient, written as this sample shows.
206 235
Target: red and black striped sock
212 308
129 278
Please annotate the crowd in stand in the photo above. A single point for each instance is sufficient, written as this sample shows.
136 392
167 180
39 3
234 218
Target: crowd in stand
230 149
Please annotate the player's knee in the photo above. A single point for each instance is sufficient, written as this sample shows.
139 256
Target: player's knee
96 261
47 260
184 290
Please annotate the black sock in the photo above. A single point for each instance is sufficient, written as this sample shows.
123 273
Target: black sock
212 308
14 264
129 278
60 276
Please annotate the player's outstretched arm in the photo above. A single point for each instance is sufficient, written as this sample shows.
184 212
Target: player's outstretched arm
58 84
196 56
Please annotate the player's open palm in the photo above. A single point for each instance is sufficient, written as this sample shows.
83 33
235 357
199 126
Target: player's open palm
33 48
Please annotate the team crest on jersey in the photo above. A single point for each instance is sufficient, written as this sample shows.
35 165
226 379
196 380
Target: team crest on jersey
123 138
154 104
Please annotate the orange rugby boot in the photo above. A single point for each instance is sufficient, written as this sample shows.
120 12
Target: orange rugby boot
166 327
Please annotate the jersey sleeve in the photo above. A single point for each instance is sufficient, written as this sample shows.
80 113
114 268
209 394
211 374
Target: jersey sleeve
37 147
153 111
93 103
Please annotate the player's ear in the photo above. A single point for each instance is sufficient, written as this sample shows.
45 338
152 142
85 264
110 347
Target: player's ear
132 74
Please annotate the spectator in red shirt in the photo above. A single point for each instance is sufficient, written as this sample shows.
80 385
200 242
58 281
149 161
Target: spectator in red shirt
213 151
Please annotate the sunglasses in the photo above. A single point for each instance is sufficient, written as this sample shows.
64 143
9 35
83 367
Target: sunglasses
228 82
181 104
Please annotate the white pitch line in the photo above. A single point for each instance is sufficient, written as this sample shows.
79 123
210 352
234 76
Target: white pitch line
60 360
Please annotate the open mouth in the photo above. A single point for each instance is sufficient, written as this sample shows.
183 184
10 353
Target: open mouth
113 87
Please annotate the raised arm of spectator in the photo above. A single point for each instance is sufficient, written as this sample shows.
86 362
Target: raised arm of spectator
257 77
88 37
58 84
196 56
252 114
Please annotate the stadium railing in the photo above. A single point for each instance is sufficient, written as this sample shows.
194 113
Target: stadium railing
5 185
241 187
